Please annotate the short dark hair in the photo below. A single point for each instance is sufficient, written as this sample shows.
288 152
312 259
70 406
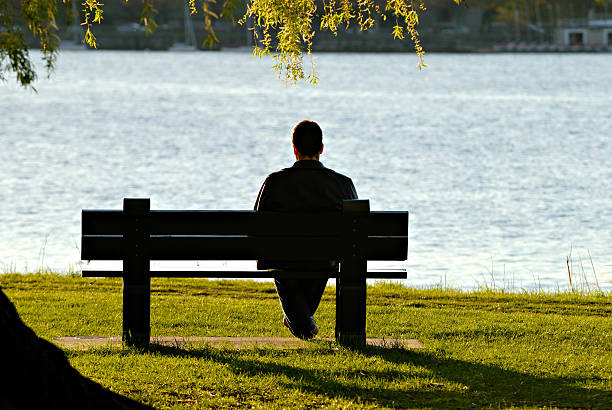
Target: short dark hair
307 137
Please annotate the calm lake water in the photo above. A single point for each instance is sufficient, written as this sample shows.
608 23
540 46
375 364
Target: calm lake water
504 161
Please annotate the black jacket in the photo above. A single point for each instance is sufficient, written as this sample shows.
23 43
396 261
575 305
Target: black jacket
306 186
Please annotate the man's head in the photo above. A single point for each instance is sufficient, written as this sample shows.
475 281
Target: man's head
307 140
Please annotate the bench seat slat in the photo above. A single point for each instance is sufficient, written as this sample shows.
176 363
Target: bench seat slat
101 247
101 222
387 223
261 274
243 223
243 248
109 222
106 247
387 248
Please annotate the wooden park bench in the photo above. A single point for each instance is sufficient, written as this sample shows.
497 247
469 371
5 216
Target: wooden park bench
138 235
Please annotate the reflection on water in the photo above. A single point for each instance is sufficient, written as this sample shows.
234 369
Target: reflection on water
502 160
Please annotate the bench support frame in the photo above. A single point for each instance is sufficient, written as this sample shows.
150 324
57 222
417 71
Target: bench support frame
129 237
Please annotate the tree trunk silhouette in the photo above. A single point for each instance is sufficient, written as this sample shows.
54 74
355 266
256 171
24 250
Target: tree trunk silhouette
37 375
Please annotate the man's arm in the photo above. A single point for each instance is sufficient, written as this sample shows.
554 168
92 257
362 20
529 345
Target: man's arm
259 202
352 194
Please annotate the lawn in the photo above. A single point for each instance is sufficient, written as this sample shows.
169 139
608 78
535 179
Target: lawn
482 348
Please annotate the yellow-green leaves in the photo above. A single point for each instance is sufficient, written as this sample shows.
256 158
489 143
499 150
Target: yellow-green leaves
92 13
146 16
286 28
38 16
211 37
90 39
192 7
398 32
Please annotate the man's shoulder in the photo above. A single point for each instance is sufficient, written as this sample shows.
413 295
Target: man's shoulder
337 174
296 170
278 174
306 175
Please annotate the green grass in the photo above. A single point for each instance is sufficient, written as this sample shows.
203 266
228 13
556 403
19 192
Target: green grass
483 348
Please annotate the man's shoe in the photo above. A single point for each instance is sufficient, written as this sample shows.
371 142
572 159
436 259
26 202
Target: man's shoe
313 327
314 330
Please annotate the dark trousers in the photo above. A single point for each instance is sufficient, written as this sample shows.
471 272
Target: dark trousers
300 299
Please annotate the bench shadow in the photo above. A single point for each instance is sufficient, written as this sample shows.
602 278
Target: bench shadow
472 384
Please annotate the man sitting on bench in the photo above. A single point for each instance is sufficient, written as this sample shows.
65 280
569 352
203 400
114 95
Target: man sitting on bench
305 187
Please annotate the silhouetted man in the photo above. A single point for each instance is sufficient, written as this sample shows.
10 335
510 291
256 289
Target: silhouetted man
306 186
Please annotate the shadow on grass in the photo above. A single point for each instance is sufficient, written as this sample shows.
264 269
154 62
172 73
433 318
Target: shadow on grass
423 385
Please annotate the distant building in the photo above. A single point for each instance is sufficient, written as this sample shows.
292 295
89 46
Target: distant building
589 33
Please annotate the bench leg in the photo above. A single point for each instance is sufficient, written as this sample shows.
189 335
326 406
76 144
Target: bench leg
136 311
351 311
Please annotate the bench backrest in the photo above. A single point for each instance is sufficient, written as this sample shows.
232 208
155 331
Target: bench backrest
138 235
244 235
